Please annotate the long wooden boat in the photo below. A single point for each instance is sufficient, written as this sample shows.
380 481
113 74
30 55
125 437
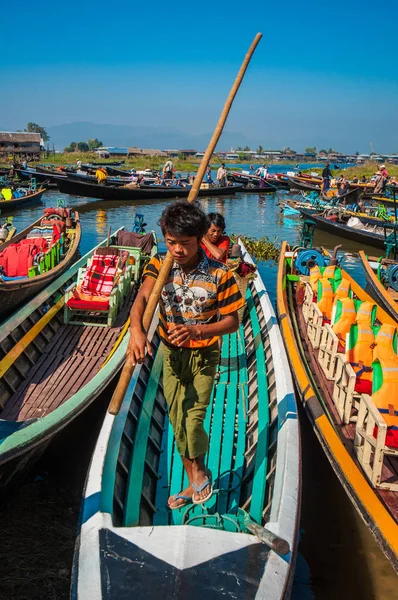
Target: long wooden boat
275 180
303 185
130 544
53 365
42 178
110 192
363 236
15 290
28 199
387 298
342 418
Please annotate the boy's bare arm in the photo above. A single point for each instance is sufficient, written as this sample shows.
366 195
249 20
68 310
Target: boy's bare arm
138 337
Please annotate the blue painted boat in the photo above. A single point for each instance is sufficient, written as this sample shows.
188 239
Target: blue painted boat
242 543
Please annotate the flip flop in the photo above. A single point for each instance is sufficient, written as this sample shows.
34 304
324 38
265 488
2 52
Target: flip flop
180 496
199 488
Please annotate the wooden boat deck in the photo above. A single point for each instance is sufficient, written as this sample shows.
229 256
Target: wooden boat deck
347 432
242 412
72 357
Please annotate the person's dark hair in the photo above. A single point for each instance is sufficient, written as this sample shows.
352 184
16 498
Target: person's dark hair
184 218
217 220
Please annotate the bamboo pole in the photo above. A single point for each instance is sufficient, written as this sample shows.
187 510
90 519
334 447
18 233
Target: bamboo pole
128 368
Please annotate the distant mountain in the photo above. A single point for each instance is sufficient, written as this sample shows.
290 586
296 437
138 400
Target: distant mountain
140 136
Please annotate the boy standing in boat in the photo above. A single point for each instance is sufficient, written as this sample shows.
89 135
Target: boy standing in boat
198 304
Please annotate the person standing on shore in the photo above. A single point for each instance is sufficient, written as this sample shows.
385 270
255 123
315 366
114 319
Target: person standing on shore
168 170
222 176
326 176
198 304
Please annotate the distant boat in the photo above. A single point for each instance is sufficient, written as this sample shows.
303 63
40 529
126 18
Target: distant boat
110 192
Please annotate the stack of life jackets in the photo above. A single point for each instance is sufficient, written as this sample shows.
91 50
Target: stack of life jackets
17 259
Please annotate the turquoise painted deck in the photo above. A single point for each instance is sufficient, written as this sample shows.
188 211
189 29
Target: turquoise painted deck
225 423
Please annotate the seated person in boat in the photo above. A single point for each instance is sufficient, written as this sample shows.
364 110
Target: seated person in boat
101 175
215 243
209 179
198 304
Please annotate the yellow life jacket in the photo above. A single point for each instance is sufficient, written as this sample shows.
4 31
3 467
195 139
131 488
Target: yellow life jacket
315 275
325 297
345 315
329 271
384 340
343 291
7 193
386 396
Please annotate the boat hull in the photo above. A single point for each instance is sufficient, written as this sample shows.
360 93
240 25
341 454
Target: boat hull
311 390
340 230
107 192
7 206
377 290
15 293
178 556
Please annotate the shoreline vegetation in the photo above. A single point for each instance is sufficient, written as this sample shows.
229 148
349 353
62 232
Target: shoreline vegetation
186 165
368 169
143 162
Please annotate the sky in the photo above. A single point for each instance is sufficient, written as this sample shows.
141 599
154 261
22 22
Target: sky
323 74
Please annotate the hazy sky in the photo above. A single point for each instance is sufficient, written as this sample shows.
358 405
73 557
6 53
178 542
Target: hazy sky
323 74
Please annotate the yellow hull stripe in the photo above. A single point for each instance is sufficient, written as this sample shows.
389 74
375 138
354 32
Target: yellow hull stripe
350 471
24 342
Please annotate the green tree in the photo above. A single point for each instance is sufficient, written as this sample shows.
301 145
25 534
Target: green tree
241 156
35 128
246 149
95 143
323 151
310 150
357 153
239 148
83 147
260 150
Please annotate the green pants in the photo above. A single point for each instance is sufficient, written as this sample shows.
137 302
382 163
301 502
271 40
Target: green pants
188 376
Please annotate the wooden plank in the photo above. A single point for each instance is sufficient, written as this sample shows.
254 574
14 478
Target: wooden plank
261 460
236 378
24 342
136 468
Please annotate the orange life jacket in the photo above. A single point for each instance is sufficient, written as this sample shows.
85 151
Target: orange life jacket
329 271
347 317
325 297
361 355
386 397
343 290
315 275
384 338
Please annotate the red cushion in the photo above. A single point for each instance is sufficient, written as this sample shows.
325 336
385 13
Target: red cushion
363 386
12 260
391 436
25 259
87 304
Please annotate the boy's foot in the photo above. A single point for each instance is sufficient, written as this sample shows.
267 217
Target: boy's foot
181 499
201 485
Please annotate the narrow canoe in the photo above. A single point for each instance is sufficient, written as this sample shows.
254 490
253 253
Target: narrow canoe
296 183
16 291
363 236
109 192
9 205
388 299
130 545
51 371
378 507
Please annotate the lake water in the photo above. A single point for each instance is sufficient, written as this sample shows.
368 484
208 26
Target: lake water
343 559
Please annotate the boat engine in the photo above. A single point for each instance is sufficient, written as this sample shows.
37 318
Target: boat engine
392 274
308 258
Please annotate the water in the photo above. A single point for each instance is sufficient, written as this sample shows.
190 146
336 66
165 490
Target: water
343 558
